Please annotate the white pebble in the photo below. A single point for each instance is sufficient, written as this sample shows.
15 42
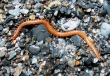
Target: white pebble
105 29
70 25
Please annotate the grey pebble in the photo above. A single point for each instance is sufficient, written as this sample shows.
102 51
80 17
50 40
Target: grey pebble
40 32
86 74
45 49
2 42
105 29
24 11
77 40
15 11
6 63
2 53
34 49
1 27
106 6
56 71
11 54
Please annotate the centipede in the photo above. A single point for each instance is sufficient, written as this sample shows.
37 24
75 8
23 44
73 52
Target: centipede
58 34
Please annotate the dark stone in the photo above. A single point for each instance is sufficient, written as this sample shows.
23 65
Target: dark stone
9 45
40 32
22 45
106 6
106 51
45 50
55 53
63 10
87 61
102 12
6 62
82 4
62 66
23 74
1 27
77 40
86 74
34 49
96 74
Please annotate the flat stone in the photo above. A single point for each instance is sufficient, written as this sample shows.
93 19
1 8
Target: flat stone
70 25
105 29
2 53
45 50
24 11
15 11
2 42
6 63
34 49
86 74
40 32
12 54
77 40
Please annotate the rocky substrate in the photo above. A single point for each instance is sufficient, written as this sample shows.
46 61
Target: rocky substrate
36 52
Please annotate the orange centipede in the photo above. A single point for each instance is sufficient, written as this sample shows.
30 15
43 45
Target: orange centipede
58 34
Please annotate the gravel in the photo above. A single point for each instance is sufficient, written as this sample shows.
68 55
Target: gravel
36 52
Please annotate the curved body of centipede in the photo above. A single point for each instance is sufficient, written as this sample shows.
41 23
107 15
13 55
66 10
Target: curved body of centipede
59 34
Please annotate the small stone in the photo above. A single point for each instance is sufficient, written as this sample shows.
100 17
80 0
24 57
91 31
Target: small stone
95 60
6 1
108 61
18 57
18 71
106 6
34 49
15 11
45 49
7 55
12 54
39 42
70 47
71 62
105 29
32 17
70 25
77 40
1 17
86 74
40 32
57 71
25 57
1 11
34 60
6 63
27 40
24 11
2 42
2 53
61 41
86 18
